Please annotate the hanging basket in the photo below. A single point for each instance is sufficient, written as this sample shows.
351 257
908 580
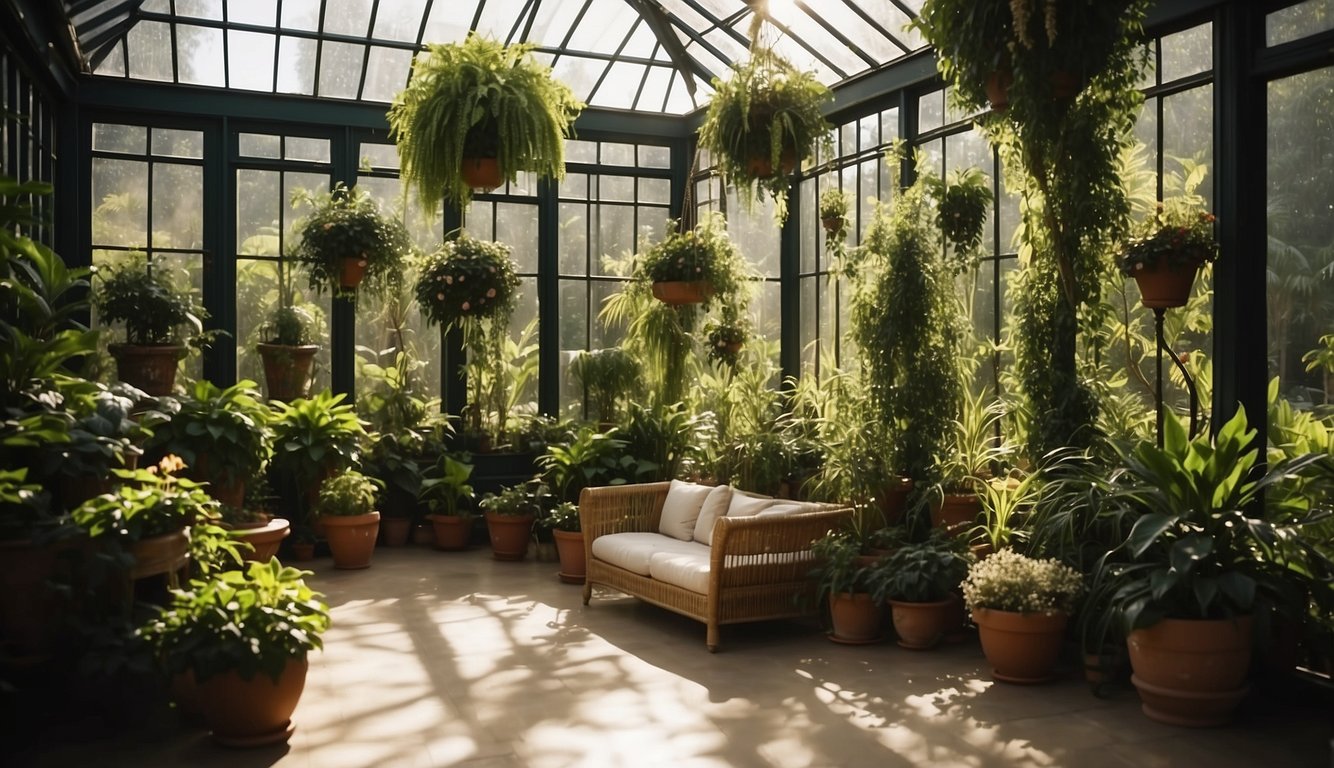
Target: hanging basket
832 224
1163 285
351 269
678 292
482 173
998 89
761 166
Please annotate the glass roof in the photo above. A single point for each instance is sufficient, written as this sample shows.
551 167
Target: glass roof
645 55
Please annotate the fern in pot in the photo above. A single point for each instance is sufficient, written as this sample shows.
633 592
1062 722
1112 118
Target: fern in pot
346 243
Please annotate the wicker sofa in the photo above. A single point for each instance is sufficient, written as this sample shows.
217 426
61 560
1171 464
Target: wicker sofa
756 567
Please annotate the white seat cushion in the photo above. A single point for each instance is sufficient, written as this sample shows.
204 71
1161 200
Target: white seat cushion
748 506
681 509
715 506
685 569
632 551
788 508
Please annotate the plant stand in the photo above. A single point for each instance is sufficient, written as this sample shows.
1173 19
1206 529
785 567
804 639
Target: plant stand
1158 313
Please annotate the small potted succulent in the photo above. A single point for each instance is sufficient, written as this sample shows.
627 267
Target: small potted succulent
237 644
509 520
695 266
161 321
1166 251
345 241
919 581
1021 606
563 522
351 522
444 488
833 210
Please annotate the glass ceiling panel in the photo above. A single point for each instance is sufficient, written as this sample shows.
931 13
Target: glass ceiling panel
361 49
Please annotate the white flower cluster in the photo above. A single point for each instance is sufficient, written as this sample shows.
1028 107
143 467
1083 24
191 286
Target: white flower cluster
1009 581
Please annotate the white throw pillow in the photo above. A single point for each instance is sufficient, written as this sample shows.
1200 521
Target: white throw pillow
681 509
785 509
715 506
748 506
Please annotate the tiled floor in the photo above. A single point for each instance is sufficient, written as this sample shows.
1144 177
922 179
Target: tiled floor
441 659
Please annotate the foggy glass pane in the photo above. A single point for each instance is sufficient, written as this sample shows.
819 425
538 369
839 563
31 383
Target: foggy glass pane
1146 129
172 143
516 225
574 185
120 202
303 148
200 9
618 154
199 55
579 73
651 226
808 326
296 64
1298 21
449 22
479 219
620 86
809 224
574 314
178 206
114 64
655 191
130 139
767 309
379 155
302 14
250 60
755 235
524 185
1188 124
868 133
386 73
312 182
573 243
399 20
250 12
259 209
149 46
581 151
1188 52
340 69
186 272
615 232
347 17
931 111
616 188
260 145
604 336
653 156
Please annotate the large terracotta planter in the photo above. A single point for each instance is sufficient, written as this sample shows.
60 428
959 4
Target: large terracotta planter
451 531
394 531
168 553
1191 672
921 625
352 539
856 618
150 368
351 271
957 513
1021 647
573 559
893 499
254 712
678 292
264 537
1163 285
510 535
287 369
481 173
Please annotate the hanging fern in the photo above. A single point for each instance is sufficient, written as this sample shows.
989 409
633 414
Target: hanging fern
479 98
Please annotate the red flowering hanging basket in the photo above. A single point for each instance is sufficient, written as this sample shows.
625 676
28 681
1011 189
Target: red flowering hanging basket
1167 252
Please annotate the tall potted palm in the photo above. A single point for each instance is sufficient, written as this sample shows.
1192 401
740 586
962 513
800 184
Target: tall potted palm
476 113
346 241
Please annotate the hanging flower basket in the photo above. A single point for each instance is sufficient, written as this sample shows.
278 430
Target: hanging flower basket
482 173
1166 253
678 292
467 277
351 270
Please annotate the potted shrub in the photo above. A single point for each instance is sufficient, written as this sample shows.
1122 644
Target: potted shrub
222 435
1166 251
833 210
238 642
160 321
345 241
443 489
1205 556
509 521
696 266
919 579
849 583
608 377
1021 606
397 461
476 113
563 522
313 438
973 451
725 336
288 348
762 122
351 522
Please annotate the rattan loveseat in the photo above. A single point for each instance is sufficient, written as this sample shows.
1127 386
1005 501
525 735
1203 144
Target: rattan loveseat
758 566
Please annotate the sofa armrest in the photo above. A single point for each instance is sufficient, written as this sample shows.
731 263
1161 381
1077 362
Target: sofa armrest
621 509
753 550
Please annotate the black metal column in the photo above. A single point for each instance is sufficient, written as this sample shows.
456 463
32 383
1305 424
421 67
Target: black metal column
548 297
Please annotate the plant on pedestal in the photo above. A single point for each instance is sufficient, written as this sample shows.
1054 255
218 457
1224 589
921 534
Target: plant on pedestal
1165 252
345 242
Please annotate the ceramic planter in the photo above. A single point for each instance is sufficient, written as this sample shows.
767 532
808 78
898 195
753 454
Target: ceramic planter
1021 647
482 173
254 712
1163 285
678 292
351 270
352 539
264 537
921 625
856 618
573 558
150 368
510 535
956 513
394 531
287 369
1191 672
451 531
168 553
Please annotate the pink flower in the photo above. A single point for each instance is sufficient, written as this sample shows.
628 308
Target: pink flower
491 294
461 278
440 296
466 306
449 279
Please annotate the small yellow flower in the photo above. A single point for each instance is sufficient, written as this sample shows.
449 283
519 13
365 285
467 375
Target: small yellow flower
171 463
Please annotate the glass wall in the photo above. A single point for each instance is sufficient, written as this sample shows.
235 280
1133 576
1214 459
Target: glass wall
27 132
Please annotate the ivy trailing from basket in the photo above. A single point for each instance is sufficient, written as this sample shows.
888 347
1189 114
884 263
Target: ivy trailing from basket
347 223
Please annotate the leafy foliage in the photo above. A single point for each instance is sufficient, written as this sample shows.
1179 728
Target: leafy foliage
348 494
840 570
346 223
226 429
479 98
315 435
445 486
1009 581
1175 235
153 310
961 210
515 501
925 571
608 378
467 278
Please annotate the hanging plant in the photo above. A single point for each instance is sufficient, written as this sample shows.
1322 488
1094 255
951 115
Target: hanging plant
833 210
703 258
961 211
762 122
476 101
467 277
1166 251
346 243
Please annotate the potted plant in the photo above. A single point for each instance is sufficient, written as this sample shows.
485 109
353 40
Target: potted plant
1021 606
288 349
974 450
1205 556
252 525
443 489
725 336
160 320
345 241
563 522
222 435
303 543
351 522
848 583
962 204
313 438
696 266
476 113
762 122
918 581
833 210
509 521
1165 251
397 461
240 642
608 377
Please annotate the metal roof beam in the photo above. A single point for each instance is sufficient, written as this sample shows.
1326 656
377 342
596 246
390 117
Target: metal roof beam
660 24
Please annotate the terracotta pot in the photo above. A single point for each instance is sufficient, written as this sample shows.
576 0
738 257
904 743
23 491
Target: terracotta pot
303 551
423 534
265 538
732 348
893 499
451 531
394 531
678 292
1191 672
167 553
957 513
921 625
957 625
1064 85
482 173
254 712
998 89
760 166
29 609
352 539
510 535
150 368
832 224
287 369
351 270
1165 286
856 618
573 559
1021 647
